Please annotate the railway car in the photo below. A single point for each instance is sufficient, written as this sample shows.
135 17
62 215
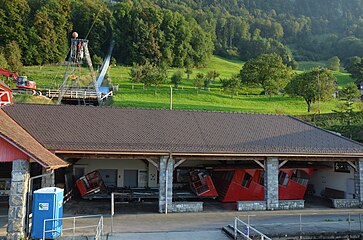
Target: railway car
202 185
238 184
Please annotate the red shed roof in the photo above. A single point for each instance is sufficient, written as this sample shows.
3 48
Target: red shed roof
14 134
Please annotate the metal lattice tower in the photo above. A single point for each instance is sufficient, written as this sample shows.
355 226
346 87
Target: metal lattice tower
71 80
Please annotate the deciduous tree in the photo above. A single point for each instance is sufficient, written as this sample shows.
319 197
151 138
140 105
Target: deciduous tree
314 85
268 71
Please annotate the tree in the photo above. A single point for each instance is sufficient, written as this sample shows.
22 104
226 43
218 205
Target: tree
346 112
156 77
148 74
314 85
3 62
232 84
333 63
210 78
97 60
13 18
136 73
198 81
13 55
354 66
188 71
267 71
350 92
176 78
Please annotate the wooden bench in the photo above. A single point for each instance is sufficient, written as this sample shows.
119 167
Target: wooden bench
332 193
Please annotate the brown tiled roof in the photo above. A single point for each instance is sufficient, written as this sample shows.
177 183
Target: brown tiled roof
102 129
15 134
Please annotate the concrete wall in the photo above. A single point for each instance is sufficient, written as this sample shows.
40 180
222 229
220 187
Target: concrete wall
121 165
324 178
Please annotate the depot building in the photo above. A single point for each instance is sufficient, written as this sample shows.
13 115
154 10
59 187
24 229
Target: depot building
260 161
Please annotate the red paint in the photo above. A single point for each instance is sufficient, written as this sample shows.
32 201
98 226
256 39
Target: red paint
90 183
202 184
6 96
9 153
237 184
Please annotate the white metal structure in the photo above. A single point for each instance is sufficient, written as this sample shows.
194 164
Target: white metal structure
98 227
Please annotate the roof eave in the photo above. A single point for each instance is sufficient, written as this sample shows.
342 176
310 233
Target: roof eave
212 154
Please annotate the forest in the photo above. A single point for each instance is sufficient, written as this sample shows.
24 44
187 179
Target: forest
180 33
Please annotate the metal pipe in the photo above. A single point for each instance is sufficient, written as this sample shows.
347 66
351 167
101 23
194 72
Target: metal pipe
112 210
235 228
28 198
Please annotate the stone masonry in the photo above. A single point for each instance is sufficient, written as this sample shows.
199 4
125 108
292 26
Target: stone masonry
17 201
358 181
166 184
271 183
181 207
47 181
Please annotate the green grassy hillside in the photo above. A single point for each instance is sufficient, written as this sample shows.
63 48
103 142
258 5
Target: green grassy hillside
186 97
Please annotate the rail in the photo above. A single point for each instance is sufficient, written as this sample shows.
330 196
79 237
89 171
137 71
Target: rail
98 232
109 94
246 230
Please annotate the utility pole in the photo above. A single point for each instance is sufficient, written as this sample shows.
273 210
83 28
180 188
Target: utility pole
171 97
318 92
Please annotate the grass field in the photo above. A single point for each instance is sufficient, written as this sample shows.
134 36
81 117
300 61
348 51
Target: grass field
186 97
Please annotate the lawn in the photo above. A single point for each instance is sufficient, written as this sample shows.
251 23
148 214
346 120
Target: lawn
187 97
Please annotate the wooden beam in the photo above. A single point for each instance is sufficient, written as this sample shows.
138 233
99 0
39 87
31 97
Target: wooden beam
260 164
353 165
153 163
179 162
283 163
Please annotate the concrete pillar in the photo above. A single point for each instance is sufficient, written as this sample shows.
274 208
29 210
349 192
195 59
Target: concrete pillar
165 183
358 181
17 200
272 183
47 181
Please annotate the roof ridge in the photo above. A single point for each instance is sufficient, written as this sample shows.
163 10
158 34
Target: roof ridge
157 109
327 131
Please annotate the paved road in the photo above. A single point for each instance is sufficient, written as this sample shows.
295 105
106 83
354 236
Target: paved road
143 222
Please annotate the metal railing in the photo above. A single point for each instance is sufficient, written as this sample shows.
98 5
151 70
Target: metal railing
306 223
246 230
98 228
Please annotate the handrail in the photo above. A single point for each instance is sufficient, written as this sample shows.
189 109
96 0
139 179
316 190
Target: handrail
99 226
248 229
346 221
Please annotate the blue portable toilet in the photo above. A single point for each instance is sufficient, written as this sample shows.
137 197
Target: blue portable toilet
47 204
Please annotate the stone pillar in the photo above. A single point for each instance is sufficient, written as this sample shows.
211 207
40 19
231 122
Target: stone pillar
153 173
166 184
358 181
17 200
47 181
272 183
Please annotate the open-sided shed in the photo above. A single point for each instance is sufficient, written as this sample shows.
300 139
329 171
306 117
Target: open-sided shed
143 147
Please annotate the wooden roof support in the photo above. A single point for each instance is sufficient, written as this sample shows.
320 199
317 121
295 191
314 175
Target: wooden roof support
153 163
260 164
179 162
352 165
283 163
